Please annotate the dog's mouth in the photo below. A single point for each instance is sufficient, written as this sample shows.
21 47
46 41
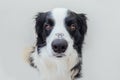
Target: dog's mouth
59 55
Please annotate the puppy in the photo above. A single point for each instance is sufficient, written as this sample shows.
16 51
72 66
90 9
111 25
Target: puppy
58 50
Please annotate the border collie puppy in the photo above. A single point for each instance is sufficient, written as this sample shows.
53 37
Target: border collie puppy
60 35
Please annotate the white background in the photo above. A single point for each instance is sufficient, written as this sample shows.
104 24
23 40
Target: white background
101 52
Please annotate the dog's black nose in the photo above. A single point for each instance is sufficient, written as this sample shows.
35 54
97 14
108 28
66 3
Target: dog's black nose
59 45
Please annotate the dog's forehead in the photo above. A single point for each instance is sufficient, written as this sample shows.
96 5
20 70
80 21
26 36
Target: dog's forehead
59 14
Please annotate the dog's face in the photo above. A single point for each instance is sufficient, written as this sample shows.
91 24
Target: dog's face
61 32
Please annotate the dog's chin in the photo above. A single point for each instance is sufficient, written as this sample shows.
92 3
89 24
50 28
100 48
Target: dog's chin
59 55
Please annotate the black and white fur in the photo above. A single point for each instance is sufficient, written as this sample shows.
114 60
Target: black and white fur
48 26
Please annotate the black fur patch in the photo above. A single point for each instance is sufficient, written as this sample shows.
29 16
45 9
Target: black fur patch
79 20
32 63
77 67
41 20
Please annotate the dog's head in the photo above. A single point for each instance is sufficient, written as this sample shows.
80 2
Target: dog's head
60 31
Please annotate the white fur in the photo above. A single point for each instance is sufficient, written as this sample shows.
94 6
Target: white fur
50 67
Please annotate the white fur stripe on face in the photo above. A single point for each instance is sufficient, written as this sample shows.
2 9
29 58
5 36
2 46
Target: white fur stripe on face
58 15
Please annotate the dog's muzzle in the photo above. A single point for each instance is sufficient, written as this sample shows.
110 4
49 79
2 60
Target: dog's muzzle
59 46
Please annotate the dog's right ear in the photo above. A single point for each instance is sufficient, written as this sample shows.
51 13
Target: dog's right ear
40 20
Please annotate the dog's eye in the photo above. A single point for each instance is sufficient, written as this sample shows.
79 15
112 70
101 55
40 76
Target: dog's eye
72 27
47 27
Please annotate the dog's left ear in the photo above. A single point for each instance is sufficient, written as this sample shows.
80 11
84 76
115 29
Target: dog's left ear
82 23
